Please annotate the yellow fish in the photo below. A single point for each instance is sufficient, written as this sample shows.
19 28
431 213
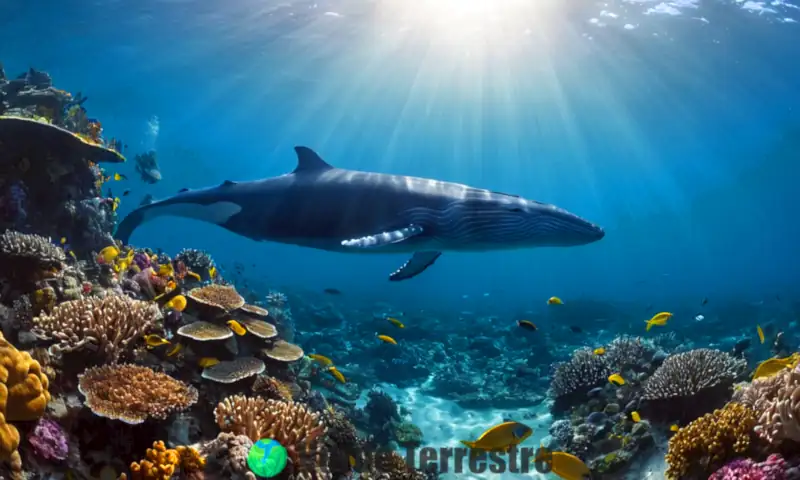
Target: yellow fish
195 276
178 302
387 339
554 301
760 333
659 319
569 467
397 323
206 362
212 272
501 438
115 205
72 254
119 176
174 350
599 351
165 270
237 327
109 253
616 379
337 374
674 428
63 240
321 359
171 285
771 367
155 341
352 460
636 417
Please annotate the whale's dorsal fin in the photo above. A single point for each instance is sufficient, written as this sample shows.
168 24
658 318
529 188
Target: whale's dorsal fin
228 183
309 161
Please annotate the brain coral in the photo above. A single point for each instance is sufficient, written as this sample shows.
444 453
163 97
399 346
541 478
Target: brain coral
108 325
133 393
291 424
708 442
581 372
678 382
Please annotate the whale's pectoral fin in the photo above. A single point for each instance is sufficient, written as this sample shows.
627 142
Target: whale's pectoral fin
415 265
382 239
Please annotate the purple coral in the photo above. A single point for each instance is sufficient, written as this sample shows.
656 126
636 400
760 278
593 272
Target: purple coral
774 468
49 440
141 260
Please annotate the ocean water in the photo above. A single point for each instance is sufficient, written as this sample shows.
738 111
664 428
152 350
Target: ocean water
675 125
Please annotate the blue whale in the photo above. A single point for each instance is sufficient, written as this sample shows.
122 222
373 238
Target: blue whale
328 208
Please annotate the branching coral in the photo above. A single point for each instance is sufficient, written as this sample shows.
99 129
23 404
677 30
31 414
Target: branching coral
776 401
161 463
133 393
109 325
291 424
582 372
692 381
706 443
23 397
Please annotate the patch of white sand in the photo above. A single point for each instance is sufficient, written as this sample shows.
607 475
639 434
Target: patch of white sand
444 424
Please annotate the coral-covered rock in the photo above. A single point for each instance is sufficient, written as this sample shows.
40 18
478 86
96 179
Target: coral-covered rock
49 440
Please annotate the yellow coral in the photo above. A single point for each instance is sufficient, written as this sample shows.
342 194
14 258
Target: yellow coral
161 463
709 441
23 397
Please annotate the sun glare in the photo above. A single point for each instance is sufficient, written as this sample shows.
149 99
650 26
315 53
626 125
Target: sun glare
464 23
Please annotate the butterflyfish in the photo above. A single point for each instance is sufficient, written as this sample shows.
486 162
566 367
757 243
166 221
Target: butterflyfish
178 302
63 240
554 301
337 374
387 339
115 205
773 366
155 340
659 319
321 359
109 253
165 270
600 351
237 327
397 323
616 379
527 325
174 350
212 272
500 438
760 333
636 417
206 362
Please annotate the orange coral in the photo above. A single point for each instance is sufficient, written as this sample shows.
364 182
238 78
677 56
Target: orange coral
23 397
161 463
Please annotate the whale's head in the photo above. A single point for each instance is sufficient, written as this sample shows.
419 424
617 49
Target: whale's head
498 220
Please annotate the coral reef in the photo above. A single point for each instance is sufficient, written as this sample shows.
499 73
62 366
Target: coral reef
776 402
773 468
583 371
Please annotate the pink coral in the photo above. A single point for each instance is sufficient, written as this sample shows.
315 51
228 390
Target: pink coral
774 468
49 440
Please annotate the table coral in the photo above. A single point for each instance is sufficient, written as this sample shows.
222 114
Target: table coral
218 299
133 393
710 440
110 325
23 397
292 424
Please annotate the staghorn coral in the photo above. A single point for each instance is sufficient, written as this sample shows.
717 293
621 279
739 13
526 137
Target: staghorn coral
774 468
132 393
218 299
294 426
776 401
583 371
691 383
706 443
23 397
161 463
625 352
109 325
